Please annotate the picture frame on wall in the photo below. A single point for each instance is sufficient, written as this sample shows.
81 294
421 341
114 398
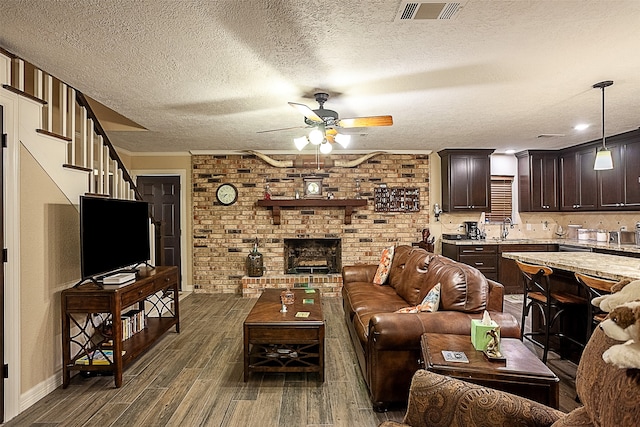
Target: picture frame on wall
312 187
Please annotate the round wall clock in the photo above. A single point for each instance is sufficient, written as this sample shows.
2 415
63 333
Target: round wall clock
227 194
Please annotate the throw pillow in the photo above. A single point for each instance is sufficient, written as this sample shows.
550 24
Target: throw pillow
411 309
382 273
431 301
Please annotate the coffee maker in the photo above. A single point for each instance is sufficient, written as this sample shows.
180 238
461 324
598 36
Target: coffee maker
471 229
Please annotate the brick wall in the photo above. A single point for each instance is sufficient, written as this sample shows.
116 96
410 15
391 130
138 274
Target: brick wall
223 236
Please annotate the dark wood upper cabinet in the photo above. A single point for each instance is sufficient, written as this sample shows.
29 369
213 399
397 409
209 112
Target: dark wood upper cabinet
619 188
538 181
578 180
466 180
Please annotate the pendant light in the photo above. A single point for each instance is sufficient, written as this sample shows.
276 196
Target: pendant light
604 161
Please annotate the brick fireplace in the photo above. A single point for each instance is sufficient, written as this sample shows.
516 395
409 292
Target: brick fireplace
223 236
312 256
309 263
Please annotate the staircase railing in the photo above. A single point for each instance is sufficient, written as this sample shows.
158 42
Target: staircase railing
67 115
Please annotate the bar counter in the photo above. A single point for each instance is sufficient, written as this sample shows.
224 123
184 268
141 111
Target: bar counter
602 265
564 264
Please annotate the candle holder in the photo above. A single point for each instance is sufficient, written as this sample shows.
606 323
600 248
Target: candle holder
287 297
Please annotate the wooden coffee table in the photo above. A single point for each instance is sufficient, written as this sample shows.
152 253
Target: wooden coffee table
282 342
522 373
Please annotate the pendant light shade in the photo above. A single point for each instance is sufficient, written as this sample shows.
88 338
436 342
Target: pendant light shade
604 161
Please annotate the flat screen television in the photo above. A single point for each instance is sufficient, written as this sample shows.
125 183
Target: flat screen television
114 234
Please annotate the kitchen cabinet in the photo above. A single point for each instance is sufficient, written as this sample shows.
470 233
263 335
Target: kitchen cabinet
487 257
538 181
578 180
619 188
482 257
466 180
564 180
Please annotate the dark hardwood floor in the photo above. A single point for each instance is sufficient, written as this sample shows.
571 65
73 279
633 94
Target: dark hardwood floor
195 379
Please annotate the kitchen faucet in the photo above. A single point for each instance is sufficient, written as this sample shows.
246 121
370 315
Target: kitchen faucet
505 228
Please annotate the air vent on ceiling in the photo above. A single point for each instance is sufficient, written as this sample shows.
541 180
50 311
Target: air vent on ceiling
417 11
551 135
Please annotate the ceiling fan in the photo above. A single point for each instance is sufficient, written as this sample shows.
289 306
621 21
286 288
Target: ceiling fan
326 124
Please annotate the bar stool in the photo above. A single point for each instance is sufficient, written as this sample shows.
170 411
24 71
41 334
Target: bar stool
551 305
595 287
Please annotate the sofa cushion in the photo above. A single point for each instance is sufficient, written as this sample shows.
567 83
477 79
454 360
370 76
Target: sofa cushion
429 304
400 257
413 278
463 288
367 300
382 273
362 296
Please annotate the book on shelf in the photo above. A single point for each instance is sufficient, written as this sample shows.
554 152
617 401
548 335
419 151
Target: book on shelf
97 357
133 321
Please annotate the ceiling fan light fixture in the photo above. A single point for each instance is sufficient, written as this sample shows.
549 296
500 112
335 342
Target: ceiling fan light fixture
301 142
343 140
316 136
604 161
325 148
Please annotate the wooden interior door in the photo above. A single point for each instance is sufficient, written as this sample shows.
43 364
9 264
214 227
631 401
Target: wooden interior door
163 195
2 261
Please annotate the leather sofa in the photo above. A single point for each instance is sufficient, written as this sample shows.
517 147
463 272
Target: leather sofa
387 344
609 396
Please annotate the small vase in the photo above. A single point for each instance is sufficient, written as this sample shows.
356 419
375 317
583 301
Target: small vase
255 263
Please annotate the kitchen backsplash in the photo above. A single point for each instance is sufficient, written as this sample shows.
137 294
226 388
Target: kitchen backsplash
540 225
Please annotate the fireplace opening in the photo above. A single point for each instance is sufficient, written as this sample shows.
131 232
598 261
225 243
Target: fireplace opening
313 256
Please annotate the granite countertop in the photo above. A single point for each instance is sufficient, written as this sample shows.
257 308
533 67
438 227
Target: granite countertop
602 265
579 243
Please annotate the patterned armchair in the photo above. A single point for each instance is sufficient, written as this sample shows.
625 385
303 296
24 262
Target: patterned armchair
610 397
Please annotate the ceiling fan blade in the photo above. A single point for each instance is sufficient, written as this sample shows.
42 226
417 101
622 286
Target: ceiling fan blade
307 112
363 122
278 130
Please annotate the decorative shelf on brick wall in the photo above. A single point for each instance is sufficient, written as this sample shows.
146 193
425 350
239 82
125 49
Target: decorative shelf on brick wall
396 199
347 204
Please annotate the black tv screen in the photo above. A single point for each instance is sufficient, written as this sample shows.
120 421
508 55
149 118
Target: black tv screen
114 234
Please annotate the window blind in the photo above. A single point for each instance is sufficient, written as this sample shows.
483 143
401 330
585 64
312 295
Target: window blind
501 194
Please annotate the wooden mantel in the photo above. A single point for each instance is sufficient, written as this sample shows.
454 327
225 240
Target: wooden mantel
347 204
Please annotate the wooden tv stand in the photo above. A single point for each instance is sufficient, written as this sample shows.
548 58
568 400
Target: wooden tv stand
91 321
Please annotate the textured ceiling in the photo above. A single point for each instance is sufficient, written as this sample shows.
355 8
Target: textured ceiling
208 75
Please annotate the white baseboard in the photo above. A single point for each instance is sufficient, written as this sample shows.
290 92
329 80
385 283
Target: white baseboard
30 397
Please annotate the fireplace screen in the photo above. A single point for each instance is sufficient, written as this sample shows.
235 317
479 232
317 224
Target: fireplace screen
312 256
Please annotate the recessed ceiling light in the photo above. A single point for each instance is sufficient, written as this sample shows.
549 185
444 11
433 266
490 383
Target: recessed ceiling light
581 126
510 152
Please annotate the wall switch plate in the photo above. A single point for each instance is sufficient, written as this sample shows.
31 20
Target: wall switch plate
528 227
